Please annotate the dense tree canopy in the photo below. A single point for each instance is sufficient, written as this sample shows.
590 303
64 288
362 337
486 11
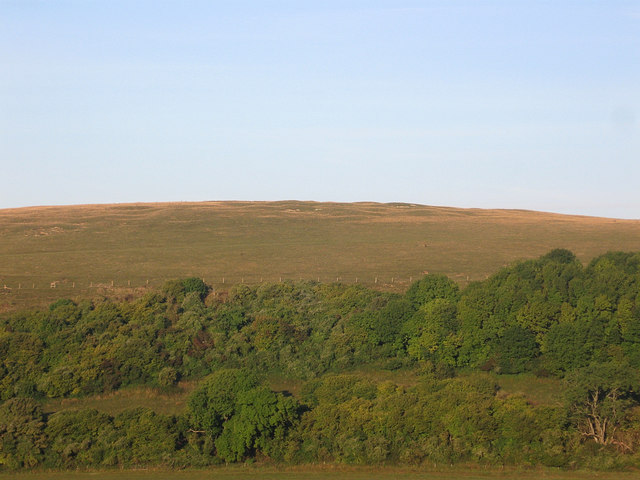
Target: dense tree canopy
550 316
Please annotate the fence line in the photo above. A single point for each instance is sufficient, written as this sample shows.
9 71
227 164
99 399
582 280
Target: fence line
217 281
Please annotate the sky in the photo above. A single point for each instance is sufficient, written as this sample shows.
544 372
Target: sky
488 104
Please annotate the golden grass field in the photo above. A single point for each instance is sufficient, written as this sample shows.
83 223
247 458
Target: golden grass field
115 250
326 473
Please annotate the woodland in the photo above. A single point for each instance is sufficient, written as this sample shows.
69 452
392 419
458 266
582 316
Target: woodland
548 318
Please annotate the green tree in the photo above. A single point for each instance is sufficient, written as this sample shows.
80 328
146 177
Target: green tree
80 438
388 323
560 255
20 363
260 424
215 400
144 437
168 377
599 396
564 348
517 348
430 334
195 285
22 437
431 287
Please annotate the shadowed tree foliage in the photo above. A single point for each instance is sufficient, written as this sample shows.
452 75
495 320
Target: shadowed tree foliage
83 437
22 437
600 396
517 348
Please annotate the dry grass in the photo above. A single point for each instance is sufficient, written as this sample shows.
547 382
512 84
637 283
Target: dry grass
322 472
111 250
172 403
537 390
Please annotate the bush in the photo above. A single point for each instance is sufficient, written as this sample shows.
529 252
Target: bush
168 377
196 285
22 438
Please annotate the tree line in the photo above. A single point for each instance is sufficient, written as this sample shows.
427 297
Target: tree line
549 317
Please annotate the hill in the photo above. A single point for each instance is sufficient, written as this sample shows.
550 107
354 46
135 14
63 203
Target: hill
115 250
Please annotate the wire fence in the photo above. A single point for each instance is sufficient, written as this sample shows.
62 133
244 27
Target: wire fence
218 281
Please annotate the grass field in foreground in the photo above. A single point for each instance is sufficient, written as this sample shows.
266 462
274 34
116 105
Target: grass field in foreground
322 473
120 250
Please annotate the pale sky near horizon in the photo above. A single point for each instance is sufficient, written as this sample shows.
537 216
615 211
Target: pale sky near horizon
488 104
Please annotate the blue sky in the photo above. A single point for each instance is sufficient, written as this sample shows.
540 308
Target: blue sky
491 104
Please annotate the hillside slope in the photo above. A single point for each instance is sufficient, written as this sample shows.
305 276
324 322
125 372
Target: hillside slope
114 249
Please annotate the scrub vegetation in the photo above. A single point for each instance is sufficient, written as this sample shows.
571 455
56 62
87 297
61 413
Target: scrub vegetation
536 365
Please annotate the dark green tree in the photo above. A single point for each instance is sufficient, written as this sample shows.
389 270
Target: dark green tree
215 400
516 349
195 285
22 437
80 438
599 396
144 437
260 423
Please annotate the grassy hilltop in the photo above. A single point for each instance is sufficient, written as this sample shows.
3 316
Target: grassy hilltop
116 249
